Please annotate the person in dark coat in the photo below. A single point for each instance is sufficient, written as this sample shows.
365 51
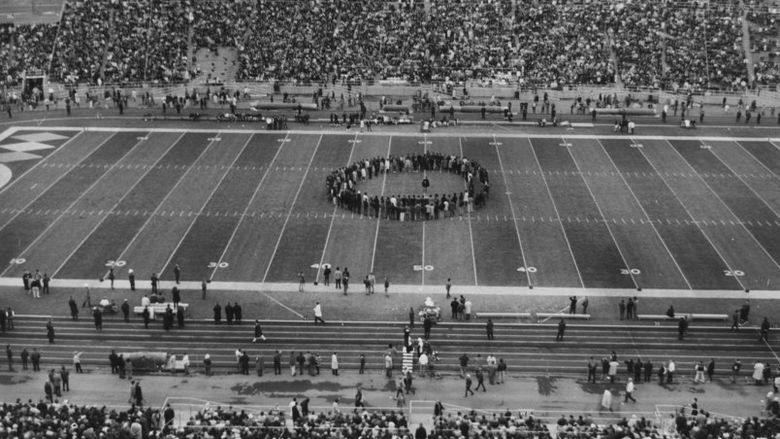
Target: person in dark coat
168 318
682 327
237 312
258 332
561 330
48 389
146 315
126 310
427 324
176 294
139 395
180 317
97 315
217 314
36 360
50 331
229 313
25 356
74 309
489 329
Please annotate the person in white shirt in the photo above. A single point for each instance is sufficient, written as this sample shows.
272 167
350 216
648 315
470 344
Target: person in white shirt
423 362
318 313
334 364
145 301
630 391
670 372
185 362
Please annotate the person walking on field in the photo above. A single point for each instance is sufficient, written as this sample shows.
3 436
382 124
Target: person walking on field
258 332
301 281
468 386
318 314
630 391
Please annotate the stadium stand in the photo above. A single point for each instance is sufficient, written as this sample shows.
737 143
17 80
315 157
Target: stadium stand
653 44
67 420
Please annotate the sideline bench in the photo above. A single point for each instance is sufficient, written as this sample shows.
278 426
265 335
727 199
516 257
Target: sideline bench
501 315
159 308
678 316
559 315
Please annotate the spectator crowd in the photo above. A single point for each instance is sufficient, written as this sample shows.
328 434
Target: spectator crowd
665 43
55 419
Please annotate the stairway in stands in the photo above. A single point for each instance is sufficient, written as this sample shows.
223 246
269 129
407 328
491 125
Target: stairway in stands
527 348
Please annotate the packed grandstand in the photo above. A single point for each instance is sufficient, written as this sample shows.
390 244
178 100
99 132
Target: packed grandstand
30 419
666 44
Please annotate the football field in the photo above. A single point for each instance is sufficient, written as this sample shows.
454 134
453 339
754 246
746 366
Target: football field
241 206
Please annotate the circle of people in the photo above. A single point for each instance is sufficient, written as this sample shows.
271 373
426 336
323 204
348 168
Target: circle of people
342 187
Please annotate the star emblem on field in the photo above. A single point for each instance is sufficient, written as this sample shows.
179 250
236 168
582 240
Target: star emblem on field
29 143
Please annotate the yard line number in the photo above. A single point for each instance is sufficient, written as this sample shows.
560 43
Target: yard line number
120 263
222 264
627 271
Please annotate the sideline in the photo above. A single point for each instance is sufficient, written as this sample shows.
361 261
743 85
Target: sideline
472 290
411 134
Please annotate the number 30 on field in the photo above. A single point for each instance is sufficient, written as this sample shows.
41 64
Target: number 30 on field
218 265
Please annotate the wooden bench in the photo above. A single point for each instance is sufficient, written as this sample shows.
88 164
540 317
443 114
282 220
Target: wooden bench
710 316
660 316
159 308
678 316
558 315
503 315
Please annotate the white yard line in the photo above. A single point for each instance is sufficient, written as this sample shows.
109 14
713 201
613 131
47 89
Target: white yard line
378 220
108 212
557 214
333 217
644 212
70 206
203 206
283 305
162 202
713 152
289 213
471 233
693 218
512 210
246 208
738 219
756 160
606 223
